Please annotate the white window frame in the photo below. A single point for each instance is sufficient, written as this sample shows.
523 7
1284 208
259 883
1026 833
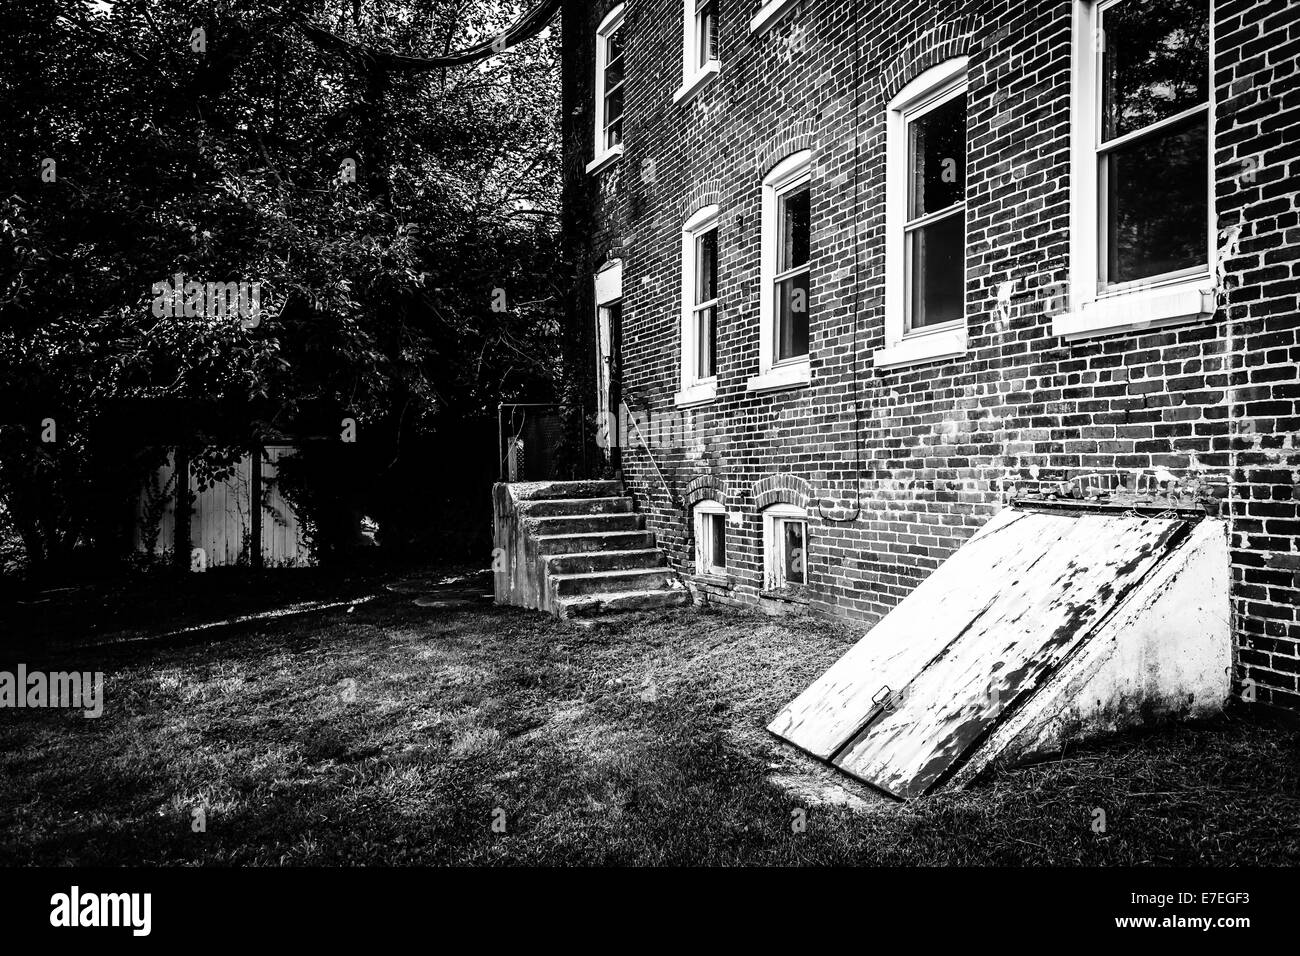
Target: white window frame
937 85
704 542
774 518
603 156
695 390
789 175
695 76
768 15
1161 300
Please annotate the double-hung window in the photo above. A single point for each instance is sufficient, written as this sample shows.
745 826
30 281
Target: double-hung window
699 46
699 307
786 273
925 218
1142 221
710 538
610 73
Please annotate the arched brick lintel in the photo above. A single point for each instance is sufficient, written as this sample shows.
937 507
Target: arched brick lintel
704 488
943 42
782 489
707 192
800 135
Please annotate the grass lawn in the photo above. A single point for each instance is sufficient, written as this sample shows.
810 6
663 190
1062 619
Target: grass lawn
398 734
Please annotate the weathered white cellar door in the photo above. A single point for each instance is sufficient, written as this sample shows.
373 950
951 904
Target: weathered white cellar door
1040 615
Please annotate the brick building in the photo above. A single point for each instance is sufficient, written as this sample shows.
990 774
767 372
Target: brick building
866 272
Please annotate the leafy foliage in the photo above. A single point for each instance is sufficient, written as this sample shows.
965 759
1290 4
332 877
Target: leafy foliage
139 148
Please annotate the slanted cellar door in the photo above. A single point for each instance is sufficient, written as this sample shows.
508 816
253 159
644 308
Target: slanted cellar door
1044 625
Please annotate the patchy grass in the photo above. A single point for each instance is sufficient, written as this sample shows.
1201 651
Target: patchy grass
391 734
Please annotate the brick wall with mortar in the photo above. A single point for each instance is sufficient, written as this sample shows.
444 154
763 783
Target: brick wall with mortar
898 467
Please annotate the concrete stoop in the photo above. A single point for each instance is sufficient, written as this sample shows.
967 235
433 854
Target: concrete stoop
577 549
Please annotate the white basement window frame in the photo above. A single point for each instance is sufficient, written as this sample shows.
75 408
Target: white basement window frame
781 188
785 547
700 63
710 539
1096 305
938 87
611 62
699 308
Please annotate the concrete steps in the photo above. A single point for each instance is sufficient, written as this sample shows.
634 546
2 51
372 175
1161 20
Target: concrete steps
596 541
591 605
577 549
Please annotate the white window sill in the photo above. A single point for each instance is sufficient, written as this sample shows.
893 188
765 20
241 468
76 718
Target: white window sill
699 81
699 394
925 347
792 375
766 17
600 162
1142 309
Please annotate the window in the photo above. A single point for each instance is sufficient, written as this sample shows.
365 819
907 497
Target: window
785 545
699 307
699 46
786 293
925 218
1142 222
710 538
609 89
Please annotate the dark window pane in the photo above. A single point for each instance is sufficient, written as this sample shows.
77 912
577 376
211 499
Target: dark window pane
795 229
793 556
613 74
792 316
1157 203
706 266
937 271
614 50
708 17
706 342
717 526
1155 62
937 158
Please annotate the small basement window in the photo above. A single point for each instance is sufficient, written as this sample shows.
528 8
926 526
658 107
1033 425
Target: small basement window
710 538
785 546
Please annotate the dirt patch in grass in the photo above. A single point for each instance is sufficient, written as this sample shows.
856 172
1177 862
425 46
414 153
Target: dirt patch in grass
405 734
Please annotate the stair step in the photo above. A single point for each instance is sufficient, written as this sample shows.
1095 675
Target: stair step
570 507
583 562
609 582
586 524
531 490
597 541
589 605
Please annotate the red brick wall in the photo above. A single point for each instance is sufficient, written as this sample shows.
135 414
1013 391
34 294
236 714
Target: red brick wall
940 447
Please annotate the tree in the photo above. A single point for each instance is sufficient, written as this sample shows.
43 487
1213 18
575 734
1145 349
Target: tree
379 211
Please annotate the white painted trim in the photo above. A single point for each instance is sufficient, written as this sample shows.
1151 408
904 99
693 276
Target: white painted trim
793 374
693 390
1159 300
701 79
596 165
704 507
602 156
931 346
1140 309
936 85
773 515
609 282
789 174
768 15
